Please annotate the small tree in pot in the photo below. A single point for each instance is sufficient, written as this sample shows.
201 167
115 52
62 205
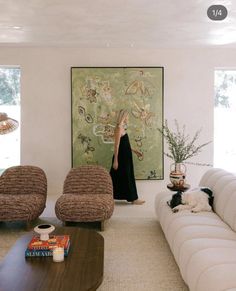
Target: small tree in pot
181 148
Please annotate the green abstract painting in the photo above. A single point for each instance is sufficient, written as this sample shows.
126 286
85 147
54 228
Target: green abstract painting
97 96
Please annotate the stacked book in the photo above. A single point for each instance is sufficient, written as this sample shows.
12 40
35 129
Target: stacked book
39 248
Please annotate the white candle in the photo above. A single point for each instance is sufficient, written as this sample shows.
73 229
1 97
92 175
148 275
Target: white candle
58 254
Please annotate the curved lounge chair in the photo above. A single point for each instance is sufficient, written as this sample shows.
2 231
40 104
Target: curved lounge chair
87 196
23 192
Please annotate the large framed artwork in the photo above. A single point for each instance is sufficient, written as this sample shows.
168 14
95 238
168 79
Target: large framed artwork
97 95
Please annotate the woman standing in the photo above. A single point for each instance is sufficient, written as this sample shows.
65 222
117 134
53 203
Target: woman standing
122 170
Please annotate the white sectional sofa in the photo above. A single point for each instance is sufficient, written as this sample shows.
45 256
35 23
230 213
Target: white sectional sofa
204 244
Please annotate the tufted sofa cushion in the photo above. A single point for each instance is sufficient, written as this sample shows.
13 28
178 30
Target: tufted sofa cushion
223 185
204 244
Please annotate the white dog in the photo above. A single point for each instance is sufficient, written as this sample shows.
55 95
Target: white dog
195 200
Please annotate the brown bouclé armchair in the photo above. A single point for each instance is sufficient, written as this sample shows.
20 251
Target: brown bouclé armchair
87 196
23 192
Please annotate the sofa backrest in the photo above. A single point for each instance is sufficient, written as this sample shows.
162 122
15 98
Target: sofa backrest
88 179
23 180
223 185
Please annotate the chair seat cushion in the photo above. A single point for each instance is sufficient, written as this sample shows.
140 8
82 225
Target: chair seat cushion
85 207
21 207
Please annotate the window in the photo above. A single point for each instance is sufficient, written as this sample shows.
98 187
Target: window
10 104
225 120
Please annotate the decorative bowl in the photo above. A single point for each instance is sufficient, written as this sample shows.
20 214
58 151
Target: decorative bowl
44 230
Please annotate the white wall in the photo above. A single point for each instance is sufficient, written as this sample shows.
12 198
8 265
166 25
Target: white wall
46 100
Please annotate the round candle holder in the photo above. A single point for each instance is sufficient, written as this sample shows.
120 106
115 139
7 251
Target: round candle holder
58 254
44 230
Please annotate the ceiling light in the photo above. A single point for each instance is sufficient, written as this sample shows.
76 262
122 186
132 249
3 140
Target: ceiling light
7 124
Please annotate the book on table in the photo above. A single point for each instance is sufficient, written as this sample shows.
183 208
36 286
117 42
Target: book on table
39 248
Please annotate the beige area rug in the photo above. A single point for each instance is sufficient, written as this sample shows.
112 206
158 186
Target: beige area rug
137 256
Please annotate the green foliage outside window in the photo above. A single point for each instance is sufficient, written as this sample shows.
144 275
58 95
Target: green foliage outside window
224 81
9 86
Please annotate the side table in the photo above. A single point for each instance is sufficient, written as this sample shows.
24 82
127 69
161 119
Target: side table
182 188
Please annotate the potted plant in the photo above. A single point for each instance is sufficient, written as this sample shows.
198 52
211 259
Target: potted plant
181 148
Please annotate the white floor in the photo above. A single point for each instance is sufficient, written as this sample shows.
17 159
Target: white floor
122 208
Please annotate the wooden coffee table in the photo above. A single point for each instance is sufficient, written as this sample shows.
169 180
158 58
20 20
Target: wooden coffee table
81 270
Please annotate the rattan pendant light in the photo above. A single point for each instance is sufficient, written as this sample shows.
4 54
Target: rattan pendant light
7 124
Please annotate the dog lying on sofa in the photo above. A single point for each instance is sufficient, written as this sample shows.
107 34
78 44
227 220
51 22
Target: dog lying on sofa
204 243
196 200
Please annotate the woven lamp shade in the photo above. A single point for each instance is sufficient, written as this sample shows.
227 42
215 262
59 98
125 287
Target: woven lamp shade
7 124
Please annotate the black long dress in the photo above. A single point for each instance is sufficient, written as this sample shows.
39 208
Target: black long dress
124 186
